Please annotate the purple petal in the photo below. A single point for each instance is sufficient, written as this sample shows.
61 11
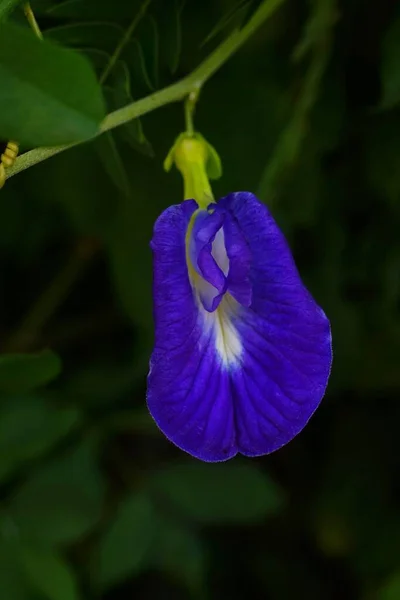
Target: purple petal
202 245
188 393
248 376
286 339
239 283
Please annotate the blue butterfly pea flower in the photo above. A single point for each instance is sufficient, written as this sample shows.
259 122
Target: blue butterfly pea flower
242 352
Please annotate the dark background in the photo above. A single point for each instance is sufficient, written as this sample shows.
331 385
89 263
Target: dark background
95 503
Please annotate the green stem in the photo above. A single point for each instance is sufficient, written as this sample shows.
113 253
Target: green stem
190 104
173 93
125 39
290 142
30 17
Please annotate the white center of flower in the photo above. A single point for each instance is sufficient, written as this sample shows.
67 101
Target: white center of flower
226 337
218 251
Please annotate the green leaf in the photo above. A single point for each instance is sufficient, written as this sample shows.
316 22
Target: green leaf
134 56
148 37
50 94
6 6
24 372
171 34
61 502
29 427
49 574
87 9
219 493
178 552
381 147
391 66
124 546
213 165
104 36
232 18
13 584
391 590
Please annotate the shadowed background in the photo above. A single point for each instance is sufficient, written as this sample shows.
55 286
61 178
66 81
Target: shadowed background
95 502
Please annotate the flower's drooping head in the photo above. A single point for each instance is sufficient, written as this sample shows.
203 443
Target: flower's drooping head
242 352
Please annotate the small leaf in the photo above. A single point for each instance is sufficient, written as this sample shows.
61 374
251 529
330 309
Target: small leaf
24 372
13 584
134 56
381 147
213 166
220 492
124 546
391 66
104 36
62 501
48 574
6 6
391 590
179 553
86 9
29 427
50 94
231 18
171 34
148 38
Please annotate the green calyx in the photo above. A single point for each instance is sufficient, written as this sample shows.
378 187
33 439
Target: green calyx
198 162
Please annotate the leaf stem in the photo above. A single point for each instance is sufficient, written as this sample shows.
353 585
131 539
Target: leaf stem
124 40
173 93
190 105
32 20
317 42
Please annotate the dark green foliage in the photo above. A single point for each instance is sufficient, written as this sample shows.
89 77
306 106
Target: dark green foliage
50 95
95 503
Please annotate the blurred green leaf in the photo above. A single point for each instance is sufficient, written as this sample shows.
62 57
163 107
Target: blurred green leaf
219 492
134 56
88 197
13 584
120 10
123 547
391 66
148 37
381 150
231 18
178 552
171 34
49 574
24 372
391 590
6 6
62 501
104 36
29 427
51 95
128 237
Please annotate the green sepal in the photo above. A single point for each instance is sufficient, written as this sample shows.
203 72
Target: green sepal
213 162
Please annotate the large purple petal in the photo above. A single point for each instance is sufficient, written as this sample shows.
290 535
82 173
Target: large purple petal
286 339
248 376
188 391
